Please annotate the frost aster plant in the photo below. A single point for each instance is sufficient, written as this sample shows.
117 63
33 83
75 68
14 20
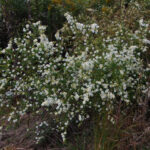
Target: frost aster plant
81 74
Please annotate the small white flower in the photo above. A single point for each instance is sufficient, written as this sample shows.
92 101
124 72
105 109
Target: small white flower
48 102
24 30
80 118
94 28
121 72
100 66
77 96
133 47
79 26
57 36
88 65
27 26
145 41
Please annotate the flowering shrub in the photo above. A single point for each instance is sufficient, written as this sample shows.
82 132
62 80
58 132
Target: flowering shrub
82 74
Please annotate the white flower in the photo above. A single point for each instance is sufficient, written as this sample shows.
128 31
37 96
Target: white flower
88 65
69 18
141 22
111 95
133 47
85 99
145 41
37 23
76 96
103 95
46 91
24 30
48 102
73 86
44 39
57 36
79 26
27 26
63 135
105 86
80 118
42 28
9 46
100 66
14 121
64 94
94 28
121 72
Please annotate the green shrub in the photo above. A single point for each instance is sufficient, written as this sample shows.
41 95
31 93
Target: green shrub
83 75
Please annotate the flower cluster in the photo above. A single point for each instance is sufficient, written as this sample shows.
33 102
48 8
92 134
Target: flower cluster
40 130
24 61
81 74
74 25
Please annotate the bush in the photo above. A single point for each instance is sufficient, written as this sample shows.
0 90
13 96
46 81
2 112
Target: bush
83 75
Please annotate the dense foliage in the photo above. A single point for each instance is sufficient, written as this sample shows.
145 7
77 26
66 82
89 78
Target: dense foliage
83 74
